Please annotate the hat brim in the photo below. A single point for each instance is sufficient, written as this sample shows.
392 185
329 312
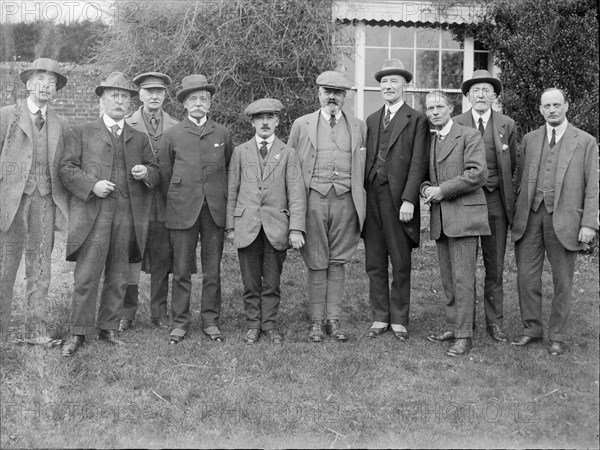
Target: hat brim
495 82
61 80
182 94
393 71
100 89
153 86
335 88
139 79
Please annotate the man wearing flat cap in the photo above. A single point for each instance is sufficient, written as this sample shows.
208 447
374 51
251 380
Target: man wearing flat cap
266 213
499 134
32 199
151 120
110 171
397 155
194 156
330 146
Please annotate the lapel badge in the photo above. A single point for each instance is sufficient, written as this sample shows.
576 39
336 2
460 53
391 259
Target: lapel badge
504 147
277 156
218 145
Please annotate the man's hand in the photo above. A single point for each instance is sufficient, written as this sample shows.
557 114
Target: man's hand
407 211
230 236
434 195
139 172
103 187
586 235
296 239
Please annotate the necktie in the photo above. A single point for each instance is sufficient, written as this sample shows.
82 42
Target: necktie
115 130
332 121
263 149
39 119
481 129
386 119
154 122
553 140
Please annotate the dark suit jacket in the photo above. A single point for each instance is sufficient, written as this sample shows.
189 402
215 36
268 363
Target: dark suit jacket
193 166
88 160
406 162
576 184
462 172
505 140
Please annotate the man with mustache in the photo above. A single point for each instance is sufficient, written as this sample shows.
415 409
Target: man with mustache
556 213
266 212
194 157
153 121
330 146
110 171
32 199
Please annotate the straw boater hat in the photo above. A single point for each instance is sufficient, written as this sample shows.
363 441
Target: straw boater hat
45 65
333 80
263 106
152 80
193 83
116 80
393 67
481 76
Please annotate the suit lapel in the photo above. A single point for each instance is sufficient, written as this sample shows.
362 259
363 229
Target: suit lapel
402 119
499 132
273 158
103 131
311 126
567 150
24 121
449 142
53 134
532 160
433 159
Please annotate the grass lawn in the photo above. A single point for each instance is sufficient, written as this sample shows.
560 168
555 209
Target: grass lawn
365 392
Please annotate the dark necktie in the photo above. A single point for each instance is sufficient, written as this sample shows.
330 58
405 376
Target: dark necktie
387 118
154 122
263 149
481 128
39 119
332 121
553 140
115 130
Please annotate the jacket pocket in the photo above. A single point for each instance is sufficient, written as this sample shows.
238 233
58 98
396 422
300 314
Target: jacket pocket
477 198
175 180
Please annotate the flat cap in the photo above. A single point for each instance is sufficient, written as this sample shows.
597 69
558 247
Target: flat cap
263 105
333 80
151 80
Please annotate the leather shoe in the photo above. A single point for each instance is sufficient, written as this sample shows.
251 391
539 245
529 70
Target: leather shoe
401 335
497 334
445 336
110 336
125 324
557 348
73 345
375 332
333 329
160 322
274 336
213 333
252 336
460 347
317 333
524 340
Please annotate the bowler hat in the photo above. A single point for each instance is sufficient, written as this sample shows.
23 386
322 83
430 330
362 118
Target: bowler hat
45 65
393 67
151 80
263 105
481 76
116 80
333 80
193 83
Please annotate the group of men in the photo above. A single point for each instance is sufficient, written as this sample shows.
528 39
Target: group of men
140 190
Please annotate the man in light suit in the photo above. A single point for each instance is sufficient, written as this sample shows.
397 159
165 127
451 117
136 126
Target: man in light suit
194 157
266 212
397 155
457 173
330 147
557 213
110 171
151 120
32 199
499 134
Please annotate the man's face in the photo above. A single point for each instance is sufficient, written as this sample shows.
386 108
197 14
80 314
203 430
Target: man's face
554 107
481 96
331 100
116 103
152 98
438 110
197 103
265 124
392 88
42 87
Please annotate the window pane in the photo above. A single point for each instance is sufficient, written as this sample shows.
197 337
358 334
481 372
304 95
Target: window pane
479 46
349 102
403 36
374 61
344 35
373 101
452 70
447 41
457 102
377 36
481 61
406 56
419 101
428 38
426 75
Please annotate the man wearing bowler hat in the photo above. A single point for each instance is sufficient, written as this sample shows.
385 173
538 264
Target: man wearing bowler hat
194 157
110 171
153 121
499 134
266 212
330 146
32 199
397 154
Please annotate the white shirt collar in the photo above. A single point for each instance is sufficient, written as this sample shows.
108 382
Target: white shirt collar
485 116
560 130
109 122
393 109
202 121
444 131
269 140
33 108
327 116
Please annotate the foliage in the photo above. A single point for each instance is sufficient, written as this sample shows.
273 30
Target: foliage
542 44
248 48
